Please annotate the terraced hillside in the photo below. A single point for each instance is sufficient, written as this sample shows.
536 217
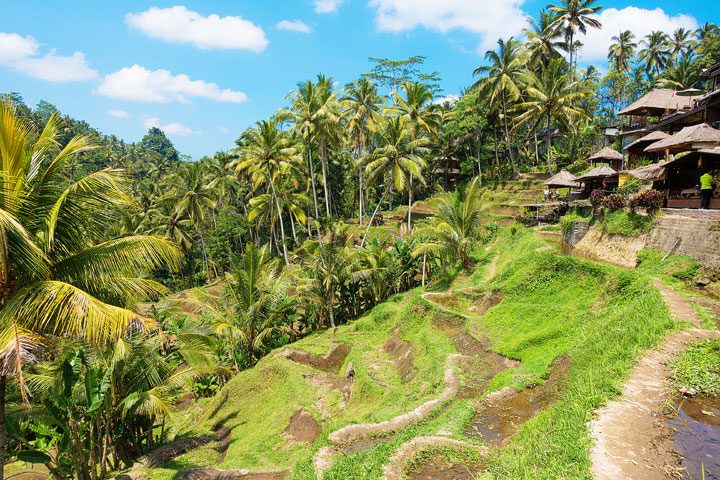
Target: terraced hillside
497 375
505 197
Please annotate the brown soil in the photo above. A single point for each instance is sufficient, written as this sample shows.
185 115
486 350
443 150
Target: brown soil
303 428
164 454
401 352
330 362
28 476
486 303
505 411
217 474
185 402
439 468
395 468
615 249
632 438
224 435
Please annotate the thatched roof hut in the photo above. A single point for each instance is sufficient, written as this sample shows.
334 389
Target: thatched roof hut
596 173
648 139
607 154
656 102
563 179
650 173
689 138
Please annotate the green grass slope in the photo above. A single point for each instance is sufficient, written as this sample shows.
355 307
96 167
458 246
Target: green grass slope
599 317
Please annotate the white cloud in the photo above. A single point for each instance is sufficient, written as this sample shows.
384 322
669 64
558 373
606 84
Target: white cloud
22 54
327 6
179 25
118 113
489 19
638 20
294 26
173 129
139 84
451 99
224 130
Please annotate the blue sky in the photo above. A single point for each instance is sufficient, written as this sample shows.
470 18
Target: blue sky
205 71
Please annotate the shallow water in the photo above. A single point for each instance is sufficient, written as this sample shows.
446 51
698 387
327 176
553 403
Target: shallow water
697 436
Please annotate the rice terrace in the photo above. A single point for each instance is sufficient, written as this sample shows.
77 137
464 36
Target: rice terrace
360 239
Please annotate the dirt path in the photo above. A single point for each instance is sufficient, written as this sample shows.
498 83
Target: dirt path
631 435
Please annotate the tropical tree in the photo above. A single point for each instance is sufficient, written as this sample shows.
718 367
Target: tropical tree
554 95
396 159
576 16
268 152
60 272
456 226
414 103
706 30
681 43
501 83
362 104
655 54
543 39
622 51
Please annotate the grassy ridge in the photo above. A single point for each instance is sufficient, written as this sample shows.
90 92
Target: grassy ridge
600 317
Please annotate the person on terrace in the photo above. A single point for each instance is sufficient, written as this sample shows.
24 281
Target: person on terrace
706 190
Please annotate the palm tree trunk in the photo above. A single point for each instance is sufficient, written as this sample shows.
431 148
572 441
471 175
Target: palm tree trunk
3 431
549 147
292 226
312 177
410 199
280 219
372 218
360 183
331 313
507 134
323 163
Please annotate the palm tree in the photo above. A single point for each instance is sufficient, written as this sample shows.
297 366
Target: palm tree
655 54
502 82
266 153
456 225
574 16
622 51
396 159
681 43
362 105
328 131
680 76
706 30
254 303
552 95
543 42
415 105
59 272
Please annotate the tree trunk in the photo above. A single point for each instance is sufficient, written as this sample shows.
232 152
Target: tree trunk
507 135
360 184
549 146
280 219
323 163
372 218
410 199
312 177
3 431
331 313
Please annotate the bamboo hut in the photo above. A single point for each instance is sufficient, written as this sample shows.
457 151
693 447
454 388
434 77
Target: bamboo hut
636 149
563 179
683 176
602 178
689 138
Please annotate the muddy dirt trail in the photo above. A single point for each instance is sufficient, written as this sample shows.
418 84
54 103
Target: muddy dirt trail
632 437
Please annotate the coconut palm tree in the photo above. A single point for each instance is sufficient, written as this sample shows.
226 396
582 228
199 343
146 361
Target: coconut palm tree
362 104
456 226
60 273
266 153
576 16
543 39
681 43
396 159
655 54
502 82
622 51
414 103
706 30
553 95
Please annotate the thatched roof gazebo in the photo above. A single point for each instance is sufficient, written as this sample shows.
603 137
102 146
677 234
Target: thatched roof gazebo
657 102
650 173
597 173
562 179
643 142
607 154
689 138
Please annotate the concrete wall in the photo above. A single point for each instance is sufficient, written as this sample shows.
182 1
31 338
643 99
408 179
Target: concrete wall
694 233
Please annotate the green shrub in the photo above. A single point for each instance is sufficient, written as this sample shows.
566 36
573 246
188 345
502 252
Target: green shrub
622 222
699 367
676 266
566 222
